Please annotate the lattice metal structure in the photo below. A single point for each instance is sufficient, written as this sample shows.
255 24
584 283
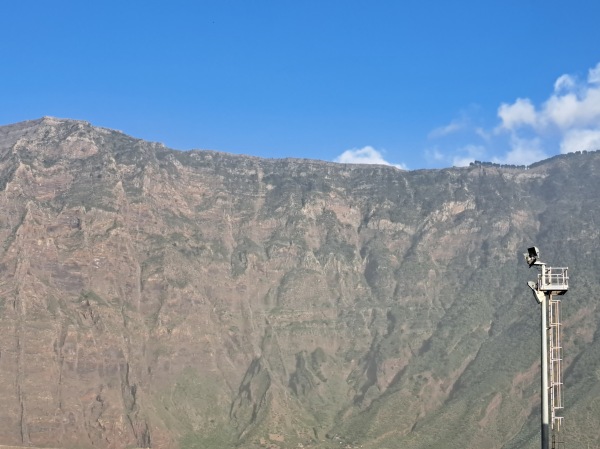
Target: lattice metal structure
551 282
555 360
554 281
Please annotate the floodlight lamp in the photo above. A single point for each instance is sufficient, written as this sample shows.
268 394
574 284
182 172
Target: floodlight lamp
538 295
532 256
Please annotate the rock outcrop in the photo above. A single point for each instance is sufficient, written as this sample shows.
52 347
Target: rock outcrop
157 298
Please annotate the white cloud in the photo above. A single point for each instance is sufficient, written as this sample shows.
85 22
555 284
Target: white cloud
580 140
594 75
521 112
485 135
561 110
572 110
365 155
469 153
458 161
452 127
573 104
436 155
523 152
564 83
568 119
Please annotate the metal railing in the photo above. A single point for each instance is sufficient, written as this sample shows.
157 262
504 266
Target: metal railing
554 279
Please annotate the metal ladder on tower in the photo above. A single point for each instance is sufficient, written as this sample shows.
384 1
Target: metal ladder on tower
555 384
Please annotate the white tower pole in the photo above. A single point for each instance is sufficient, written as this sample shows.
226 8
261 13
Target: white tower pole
544 368
550 281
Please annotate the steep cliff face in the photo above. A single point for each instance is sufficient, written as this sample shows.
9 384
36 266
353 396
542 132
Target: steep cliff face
150 297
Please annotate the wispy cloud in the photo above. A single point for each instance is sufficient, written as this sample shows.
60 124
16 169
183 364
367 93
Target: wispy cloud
450 128
527 131
523 152
434 154
468 154
580 139
483 134
365 155
564 83
594 75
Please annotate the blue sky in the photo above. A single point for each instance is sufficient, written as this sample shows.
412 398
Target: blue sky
417 84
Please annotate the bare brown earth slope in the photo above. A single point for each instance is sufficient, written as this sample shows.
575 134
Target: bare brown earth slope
157 298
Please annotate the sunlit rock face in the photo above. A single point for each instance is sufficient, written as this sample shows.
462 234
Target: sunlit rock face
157 298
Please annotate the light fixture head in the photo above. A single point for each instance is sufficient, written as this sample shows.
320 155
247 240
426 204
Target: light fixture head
538 295
532 256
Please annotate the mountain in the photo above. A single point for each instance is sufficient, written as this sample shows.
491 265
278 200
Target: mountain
158 298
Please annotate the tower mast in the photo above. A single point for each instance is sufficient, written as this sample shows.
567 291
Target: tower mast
551 282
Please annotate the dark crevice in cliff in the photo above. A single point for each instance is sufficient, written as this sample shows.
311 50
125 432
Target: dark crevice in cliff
251 400
129 392
21 395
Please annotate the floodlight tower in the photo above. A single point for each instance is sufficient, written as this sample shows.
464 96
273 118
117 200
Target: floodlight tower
550 283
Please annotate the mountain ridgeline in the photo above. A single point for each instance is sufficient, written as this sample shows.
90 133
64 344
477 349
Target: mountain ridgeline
158 298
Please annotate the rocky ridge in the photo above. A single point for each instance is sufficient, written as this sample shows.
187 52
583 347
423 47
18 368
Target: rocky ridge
157 298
